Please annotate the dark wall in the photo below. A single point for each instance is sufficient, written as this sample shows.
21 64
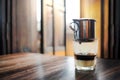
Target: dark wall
114 29
117 29
3 27
1 41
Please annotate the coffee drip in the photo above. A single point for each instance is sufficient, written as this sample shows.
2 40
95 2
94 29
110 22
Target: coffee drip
84 29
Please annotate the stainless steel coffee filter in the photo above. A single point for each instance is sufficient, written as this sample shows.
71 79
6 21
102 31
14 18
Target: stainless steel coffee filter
84 29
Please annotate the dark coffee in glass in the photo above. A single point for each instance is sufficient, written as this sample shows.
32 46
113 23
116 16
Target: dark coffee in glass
85 55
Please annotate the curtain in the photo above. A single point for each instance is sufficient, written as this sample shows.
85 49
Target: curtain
114 29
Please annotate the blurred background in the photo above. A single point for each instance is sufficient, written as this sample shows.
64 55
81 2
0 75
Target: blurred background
42 26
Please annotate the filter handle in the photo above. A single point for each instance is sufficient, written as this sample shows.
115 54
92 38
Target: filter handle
75 28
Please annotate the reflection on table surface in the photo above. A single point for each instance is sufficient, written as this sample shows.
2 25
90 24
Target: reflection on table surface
34 66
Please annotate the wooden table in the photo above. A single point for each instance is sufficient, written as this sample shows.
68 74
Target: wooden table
32 66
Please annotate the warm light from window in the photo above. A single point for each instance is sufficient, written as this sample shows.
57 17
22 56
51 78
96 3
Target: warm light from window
72 10
38 6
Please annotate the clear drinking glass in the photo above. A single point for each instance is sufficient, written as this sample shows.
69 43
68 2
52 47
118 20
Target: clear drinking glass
85 54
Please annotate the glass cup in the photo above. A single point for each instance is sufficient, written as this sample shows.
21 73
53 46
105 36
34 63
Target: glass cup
85 54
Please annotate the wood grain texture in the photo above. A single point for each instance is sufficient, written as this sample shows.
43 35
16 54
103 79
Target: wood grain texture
33 66
24 26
